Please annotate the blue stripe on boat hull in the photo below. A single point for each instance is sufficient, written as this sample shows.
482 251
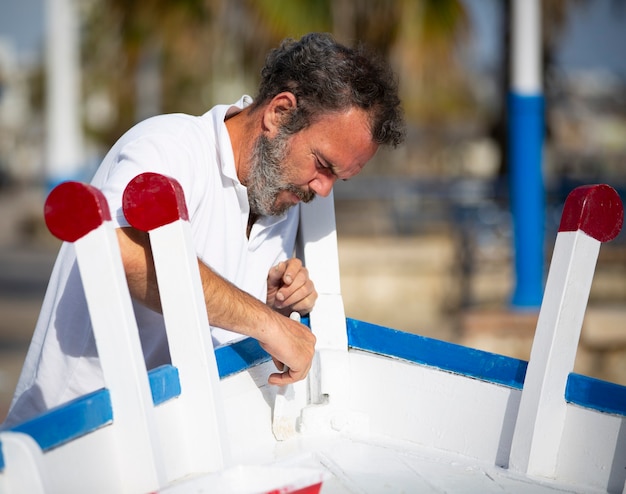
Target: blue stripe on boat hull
70 421
442 355
164 383
596 394
92 411
239 356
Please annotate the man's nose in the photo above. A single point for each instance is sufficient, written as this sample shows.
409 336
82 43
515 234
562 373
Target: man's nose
322 184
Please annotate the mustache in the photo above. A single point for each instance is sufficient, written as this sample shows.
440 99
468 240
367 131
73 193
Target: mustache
303 195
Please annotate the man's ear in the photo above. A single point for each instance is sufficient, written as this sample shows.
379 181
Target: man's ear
277 110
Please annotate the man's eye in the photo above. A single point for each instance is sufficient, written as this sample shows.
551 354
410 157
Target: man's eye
325 168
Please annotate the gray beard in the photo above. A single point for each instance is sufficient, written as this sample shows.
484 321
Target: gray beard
266 181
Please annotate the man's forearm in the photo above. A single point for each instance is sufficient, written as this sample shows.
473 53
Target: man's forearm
228 307
287 341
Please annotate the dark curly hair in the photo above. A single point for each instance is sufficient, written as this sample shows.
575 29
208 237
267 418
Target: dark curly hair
326 76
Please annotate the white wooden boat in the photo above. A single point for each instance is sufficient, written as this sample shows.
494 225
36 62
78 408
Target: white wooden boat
381 410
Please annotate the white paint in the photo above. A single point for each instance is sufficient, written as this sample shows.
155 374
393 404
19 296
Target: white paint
541 416
88 464
317 244
121 358
432 408
248 401
199 430
24 471
526 47
592 450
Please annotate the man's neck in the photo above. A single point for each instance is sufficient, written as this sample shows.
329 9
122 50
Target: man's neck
242 136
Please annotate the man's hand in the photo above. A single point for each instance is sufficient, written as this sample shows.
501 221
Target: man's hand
290 289
292 351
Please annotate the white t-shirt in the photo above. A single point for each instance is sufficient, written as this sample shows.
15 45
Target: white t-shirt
62 361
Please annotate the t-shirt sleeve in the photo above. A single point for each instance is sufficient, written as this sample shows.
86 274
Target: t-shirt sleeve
157 153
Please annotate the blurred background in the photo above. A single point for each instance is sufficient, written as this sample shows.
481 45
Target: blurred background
425 233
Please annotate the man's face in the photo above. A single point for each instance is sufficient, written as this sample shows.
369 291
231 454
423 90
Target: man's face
287 169
267 178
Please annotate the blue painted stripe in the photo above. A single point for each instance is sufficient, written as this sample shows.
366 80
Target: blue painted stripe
526 130
596 394
69 421
239 356
164 383
1 458
442 355
92 411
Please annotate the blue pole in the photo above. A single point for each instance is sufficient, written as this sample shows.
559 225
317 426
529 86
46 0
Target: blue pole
526 129
527 196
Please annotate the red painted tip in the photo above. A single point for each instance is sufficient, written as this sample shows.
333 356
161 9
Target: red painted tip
152 200
73 209
309 489
597 210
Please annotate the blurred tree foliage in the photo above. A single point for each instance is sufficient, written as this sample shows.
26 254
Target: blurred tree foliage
142 57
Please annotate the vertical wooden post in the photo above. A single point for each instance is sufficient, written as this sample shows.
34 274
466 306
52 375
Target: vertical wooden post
317 240
156 204
592 214
79 213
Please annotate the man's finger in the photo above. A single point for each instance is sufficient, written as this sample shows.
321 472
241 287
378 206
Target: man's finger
287 377
276 273
279 365
281 379
293 267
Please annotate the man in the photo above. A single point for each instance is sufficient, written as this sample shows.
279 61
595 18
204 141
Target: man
321 112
